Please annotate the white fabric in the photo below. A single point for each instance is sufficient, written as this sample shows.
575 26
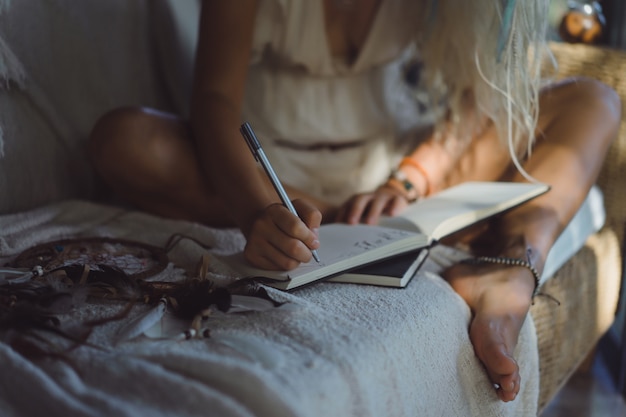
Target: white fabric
332 350
11 70
175 24
298 92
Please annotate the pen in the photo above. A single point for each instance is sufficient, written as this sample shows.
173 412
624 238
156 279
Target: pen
259 155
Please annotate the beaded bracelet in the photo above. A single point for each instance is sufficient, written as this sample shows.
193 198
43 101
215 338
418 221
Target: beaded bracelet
411 193
412 162
481 260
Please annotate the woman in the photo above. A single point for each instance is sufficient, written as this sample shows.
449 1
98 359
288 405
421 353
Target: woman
312 79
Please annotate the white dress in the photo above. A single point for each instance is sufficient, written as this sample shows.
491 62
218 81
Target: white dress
300 100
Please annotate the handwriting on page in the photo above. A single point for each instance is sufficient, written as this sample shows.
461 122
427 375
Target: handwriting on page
364 244
381 238
347 241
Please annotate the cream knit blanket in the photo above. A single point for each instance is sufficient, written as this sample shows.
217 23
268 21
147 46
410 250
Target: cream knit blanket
331 350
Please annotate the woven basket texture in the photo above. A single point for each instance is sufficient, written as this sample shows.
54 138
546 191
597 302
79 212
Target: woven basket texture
568 330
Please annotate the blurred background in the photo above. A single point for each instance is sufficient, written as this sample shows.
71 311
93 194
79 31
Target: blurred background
593 22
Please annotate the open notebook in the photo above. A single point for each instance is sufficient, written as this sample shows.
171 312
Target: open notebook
345 247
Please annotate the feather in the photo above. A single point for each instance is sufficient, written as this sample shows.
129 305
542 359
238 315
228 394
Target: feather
505 29
144 321
18 275
244 303
169 327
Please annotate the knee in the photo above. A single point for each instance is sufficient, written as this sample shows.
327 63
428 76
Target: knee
592 95
604 102
609 102
132 139
142 146
575 98
113 134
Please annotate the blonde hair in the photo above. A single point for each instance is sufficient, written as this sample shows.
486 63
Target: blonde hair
483 58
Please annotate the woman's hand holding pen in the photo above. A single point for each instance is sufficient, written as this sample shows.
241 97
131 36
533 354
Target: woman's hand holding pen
279 240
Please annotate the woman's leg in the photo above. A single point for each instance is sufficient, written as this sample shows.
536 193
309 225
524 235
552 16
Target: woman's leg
578 120
148 158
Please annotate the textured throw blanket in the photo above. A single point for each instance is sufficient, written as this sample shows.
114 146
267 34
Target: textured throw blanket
330 350
11 71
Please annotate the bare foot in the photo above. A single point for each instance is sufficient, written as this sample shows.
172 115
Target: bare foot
499 297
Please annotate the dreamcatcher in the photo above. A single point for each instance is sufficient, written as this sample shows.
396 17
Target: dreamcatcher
135 259
48 281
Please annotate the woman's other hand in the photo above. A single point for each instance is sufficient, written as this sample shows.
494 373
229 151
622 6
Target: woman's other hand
279 240
368 207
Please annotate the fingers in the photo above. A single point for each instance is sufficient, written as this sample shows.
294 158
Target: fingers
279 240
369 207
308 213
352 211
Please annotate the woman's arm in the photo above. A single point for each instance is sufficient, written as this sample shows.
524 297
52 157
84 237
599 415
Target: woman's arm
275 238
224 44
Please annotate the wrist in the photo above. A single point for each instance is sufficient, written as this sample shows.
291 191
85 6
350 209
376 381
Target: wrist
400 182
417 175
249 214
410 179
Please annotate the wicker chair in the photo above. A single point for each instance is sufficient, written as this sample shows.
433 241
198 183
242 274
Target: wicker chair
588 285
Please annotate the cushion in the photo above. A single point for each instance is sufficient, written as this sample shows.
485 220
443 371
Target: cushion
76 68
176 29
588 220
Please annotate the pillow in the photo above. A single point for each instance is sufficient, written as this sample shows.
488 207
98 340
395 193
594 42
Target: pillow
176 34
79 60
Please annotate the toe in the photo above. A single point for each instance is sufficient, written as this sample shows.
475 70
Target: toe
509 386
496 356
